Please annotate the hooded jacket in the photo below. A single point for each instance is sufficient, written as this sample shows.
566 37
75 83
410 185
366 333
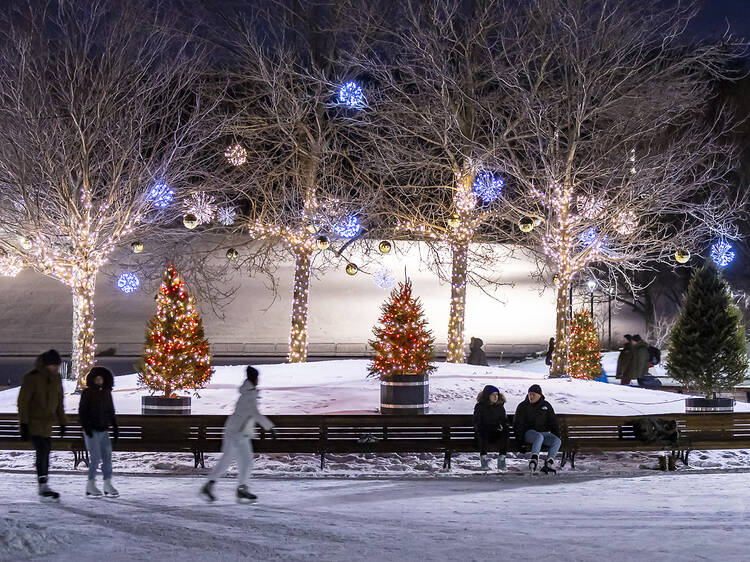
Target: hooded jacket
40 400
477 355
488 416
538 416
96 411
246 414
640 360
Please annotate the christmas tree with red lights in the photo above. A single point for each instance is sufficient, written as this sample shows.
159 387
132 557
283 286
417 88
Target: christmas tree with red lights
584 357
177 355
403 345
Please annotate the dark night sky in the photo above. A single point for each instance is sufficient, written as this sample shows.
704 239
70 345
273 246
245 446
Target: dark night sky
715 14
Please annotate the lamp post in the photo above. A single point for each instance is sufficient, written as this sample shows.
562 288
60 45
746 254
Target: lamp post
591 284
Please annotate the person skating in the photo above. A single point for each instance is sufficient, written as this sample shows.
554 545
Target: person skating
550 352
624 360
40 405
236 443
535 423
96 413
477 355
491 425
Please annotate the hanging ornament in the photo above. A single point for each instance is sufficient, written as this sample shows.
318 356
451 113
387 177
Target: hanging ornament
190 221
128 282
384 247
137 247
236 154
226 215
161 194
454 221
526 224
351 269
25 243
349 228
322 242
626 222
722 253
488 187
10 266
232 254
201 206
383 278
351 95
682 255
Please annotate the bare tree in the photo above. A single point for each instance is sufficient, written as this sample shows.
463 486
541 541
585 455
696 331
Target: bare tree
104 120
608 134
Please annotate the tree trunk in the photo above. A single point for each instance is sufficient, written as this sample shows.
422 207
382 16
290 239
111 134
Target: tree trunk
560 354
298 334
84 346
457 314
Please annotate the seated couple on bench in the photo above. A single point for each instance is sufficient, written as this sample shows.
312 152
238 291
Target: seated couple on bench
534 424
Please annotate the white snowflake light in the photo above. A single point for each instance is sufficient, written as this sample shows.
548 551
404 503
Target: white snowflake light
722 253
589 207
161 194
236 154
588 236
383 278
488 187
202 206
352 96
10 266
128 282
225 215
626 222
349 228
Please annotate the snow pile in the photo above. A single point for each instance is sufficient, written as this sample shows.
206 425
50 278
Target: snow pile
342 387
23 540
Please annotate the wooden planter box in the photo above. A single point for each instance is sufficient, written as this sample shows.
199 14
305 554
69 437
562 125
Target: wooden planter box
158 405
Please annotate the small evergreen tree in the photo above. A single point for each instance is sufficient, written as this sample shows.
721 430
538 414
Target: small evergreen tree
707 347
584 357
177 355
403 345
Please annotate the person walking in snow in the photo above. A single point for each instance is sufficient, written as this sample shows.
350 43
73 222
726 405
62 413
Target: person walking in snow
491 425
641 359
535 423
40 405
236 443
477 355
550 352
624 360
96 413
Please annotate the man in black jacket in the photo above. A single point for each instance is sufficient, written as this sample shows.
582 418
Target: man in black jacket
535 423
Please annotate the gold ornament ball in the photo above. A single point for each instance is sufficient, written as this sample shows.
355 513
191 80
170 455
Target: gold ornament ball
190 221
322 242
232 254
454 221
137 247
526 224
384 247
351 269
682 255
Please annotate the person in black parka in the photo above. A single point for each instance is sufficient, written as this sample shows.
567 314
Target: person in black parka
96 412
535 423
491 425
477 355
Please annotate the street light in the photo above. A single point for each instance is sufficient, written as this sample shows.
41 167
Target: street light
591 284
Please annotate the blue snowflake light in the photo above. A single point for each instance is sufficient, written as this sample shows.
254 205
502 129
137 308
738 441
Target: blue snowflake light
349 228
722 253
588 236
351 95
161 194
488 187
128 282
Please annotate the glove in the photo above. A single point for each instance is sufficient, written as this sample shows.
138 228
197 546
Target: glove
273 433
62 431
24 432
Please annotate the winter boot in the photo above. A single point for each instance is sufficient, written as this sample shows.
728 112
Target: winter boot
92 492
671 462
485 462
662 463
109 490
534 464
501 466
244 495
207 491
45 494
549 467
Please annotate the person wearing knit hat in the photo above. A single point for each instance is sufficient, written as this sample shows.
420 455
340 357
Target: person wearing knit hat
535 423
40 406
491 426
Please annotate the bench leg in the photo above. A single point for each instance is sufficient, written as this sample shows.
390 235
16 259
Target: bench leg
447 460
322 461
80 457
199 459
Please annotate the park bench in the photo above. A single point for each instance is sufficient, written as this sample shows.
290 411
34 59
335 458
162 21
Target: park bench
435 433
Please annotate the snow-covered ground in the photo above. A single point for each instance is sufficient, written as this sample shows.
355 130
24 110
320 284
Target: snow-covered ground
672 516
342 387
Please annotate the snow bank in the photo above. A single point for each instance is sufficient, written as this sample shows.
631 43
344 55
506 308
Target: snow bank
22 540
342 387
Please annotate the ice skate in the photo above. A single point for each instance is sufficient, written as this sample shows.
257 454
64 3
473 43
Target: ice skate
501 464
207 491
92 492
244 495
485 462
549 467
45 494
534 465
109 490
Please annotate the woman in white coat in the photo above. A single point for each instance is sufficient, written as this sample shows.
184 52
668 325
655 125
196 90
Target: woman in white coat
236 444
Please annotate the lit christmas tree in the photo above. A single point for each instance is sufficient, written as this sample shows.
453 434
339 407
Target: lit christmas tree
177 355
403 345
584 359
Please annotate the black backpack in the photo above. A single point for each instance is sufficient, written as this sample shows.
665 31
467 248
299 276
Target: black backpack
654 355
652 430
